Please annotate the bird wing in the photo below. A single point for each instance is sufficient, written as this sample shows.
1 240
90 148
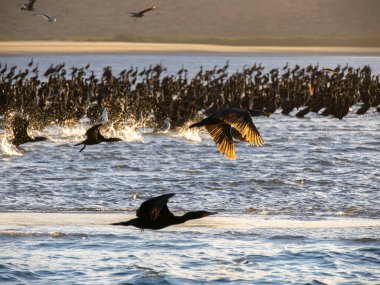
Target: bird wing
242 121
328 70
31 3
154 208
94 132
221 134
47 17
147 10
20 127
311 88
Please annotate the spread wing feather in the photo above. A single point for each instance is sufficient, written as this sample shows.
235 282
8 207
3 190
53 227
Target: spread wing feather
242 121
147 10
221 134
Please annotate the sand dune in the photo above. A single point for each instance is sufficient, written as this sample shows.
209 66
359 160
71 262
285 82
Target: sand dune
239 22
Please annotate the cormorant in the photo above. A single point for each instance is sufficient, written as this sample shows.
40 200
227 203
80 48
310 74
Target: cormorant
93 136
141 13
229 123
20 132
29 6
154 214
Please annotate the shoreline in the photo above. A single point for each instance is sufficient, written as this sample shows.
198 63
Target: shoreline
69 47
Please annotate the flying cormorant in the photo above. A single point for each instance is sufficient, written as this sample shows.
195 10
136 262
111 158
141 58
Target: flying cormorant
154 214
20 132
227 124
141 13
29 6
93 136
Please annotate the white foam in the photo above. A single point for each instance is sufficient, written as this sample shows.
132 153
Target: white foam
189 134
7 148
233 223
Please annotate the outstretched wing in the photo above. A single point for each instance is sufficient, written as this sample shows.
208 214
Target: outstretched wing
221 134
47 17
147 10
242 121
328 70
154 208
30 4
311 87
20 127
93 133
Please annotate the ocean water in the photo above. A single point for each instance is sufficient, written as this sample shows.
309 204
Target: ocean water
302 209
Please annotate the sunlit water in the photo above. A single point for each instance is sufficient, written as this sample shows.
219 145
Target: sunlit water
302 209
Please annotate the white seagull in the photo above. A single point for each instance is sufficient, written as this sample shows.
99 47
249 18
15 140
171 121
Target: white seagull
48 18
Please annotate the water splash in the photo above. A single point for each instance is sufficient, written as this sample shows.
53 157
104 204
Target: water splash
65 133
6 148
128 133
189 134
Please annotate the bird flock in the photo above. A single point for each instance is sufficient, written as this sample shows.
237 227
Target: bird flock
62 95
52 19
152 99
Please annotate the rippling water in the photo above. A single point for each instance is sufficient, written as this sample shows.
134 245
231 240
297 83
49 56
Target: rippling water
302 209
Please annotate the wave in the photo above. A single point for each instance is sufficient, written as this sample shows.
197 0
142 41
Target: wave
74 133
6 148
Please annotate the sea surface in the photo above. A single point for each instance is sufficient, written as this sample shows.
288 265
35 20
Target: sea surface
302 209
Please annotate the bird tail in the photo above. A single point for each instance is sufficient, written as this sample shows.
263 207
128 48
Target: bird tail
199 124
39 139
127 223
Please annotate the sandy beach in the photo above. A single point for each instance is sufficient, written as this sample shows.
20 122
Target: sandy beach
234 23
35 47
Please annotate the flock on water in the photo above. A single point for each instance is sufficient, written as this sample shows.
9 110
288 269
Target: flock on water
63 96
221 103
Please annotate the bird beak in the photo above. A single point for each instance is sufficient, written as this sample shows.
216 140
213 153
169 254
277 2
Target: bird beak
210 213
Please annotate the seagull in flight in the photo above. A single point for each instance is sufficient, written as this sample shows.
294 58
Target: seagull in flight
141 13
48 18
29 6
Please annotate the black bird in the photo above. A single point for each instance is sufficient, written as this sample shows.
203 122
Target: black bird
154 214
141 13
20 132
227 124
29 6
93 136
31 62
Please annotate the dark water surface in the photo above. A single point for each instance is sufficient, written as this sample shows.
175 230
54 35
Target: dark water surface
302 209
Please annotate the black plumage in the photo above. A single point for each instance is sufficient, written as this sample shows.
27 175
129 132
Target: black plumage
154 214
93 136
141 13
20 132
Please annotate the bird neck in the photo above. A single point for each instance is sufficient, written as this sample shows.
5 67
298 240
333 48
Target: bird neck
39 139
190 216
111 139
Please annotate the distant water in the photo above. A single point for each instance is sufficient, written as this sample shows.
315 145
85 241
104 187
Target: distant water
192 61
302 209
